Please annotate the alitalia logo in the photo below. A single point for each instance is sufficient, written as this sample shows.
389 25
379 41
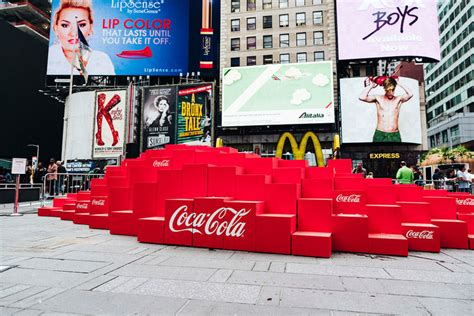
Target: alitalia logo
305 115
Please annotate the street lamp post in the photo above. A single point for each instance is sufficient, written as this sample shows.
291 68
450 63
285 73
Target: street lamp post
37 153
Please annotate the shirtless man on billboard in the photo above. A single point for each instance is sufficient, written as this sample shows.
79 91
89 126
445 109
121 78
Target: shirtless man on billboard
388 108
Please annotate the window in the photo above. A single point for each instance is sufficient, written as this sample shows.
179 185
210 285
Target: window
267 4
267 59
251 23
444 135
299 3
235 62
300 18
267 41
235 6
318 17
432 141
235 25
283 4
301 57
318 38
454 132
267 22
284 40
300 39
284 20
234 44
251 60
284 58
318 56
251 42
317 1
251 5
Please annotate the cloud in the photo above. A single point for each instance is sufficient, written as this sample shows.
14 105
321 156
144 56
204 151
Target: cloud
320 80
299 96
293 72
231 77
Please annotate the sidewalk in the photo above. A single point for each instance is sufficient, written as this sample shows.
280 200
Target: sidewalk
53 266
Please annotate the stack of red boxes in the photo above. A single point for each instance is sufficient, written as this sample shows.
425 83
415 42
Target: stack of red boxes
219 198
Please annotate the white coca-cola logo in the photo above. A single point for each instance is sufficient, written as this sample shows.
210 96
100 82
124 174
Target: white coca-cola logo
353 198
424 234
161 163
468 201
98 202
208 224
81 206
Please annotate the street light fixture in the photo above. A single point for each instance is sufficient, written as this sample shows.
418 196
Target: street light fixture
37 153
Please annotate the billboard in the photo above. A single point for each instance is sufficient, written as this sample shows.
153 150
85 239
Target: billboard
278 94
379 28
159 117
109 123
194 117
371 113
125 37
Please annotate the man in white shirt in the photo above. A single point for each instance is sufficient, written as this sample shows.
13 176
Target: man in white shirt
469 176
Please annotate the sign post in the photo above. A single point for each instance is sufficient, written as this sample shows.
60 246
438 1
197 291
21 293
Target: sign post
18 168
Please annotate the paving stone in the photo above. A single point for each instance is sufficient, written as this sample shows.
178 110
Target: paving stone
287 280
164 272
12 289
38 298
336 270
408 288
95 282
277 267
431 276
95 302
351 301
224 292
98 256
221 275
20 295
121 284
209 263
270 295
438 306
44 277
261 266
66 265
199 307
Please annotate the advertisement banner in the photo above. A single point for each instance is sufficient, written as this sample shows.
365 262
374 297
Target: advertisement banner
379 28
278 94
109 123
159 117
119 37
388 112
194 114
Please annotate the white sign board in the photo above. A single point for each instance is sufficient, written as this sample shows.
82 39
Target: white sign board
19 166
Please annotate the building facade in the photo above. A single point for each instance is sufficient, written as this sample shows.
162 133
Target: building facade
259 32
450 83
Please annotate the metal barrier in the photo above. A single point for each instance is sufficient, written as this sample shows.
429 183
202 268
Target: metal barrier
60 184
451 185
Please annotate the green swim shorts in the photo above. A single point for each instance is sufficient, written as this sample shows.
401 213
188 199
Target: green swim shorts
384 137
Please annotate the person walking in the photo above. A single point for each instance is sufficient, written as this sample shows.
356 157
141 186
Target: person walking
52 176
469 177
463 183
404 174
360 169
39 173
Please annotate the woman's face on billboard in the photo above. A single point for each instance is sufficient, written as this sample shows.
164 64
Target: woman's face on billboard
66 30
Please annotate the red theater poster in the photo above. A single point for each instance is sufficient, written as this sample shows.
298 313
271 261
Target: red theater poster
109 123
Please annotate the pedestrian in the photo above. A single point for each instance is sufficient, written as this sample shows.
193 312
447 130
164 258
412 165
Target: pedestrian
404 174
62 174
469 177
39 173
418 176
463 183
437 178
370 175
360 169
52 176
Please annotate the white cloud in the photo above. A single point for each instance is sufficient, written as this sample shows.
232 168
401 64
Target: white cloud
320 80
299 96
293 72
231 77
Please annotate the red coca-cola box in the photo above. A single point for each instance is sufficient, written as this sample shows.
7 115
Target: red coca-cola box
221 180
317 188
349 202
168 187
240 219
179 218
465 204
209 225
